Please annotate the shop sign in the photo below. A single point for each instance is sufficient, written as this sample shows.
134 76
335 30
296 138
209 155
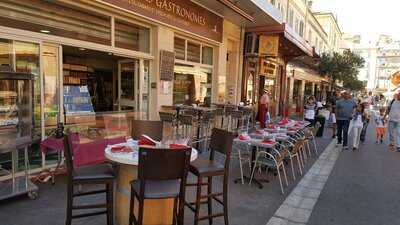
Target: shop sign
269 45
167 63
182 14
267 68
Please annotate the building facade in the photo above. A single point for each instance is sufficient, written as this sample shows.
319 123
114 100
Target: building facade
91 59
382 61
289 69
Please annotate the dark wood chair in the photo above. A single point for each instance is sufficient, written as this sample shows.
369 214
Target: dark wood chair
101 174
221 142
153 129
161 175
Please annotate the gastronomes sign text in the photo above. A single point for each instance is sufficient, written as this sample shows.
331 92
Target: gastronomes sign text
182 14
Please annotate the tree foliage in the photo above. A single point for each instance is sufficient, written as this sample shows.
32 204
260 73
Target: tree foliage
342 67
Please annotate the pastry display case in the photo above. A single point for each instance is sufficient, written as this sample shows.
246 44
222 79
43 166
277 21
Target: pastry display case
16 122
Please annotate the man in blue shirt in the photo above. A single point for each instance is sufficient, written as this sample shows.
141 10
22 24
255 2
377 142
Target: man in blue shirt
344 113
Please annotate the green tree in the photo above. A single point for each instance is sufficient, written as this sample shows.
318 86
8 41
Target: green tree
342 67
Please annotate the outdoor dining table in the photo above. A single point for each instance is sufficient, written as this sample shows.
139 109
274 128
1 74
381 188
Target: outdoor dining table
156 212
254 143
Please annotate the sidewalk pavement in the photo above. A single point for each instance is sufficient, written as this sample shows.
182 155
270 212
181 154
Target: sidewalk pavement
363 188
248 205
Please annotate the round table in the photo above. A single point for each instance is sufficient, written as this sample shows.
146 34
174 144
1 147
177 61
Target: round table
156 212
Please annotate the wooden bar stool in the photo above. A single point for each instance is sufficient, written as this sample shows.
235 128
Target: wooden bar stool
227 116
237 120
99 174
153 129
171 119
161 175
221 142
219 114
186 123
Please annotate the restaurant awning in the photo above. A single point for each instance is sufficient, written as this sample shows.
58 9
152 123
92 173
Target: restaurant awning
246 13
311 62
291 45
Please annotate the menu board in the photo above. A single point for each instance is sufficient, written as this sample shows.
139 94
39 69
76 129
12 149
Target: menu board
77 100
167 63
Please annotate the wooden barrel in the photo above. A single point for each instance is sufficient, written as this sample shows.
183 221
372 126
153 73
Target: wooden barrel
156 212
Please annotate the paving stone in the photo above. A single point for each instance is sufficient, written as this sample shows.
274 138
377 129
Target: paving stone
277 221
293 214
306 192
300 202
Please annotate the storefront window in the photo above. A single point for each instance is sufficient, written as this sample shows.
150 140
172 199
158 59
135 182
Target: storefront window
56 19
23 57
131 36
250 87
193 52
51 85
180 49
192 85
6 55
144 108
207 55
27 61
308 89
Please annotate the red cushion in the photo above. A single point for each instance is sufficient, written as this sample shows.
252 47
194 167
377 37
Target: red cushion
177 146
268 142
146 140
121 149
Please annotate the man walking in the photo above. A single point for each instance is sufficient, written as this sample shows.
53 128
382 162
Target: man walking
344 113
394 122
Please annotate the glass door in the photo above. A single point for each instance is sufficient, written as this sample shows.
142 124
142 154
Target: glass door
128 84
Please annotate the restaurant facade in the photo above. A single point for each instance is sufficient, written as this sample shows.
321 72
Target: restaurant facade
90 59
268 50
93 57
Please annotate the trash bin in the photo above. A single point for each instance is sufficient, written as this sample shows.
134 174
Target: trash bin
320 119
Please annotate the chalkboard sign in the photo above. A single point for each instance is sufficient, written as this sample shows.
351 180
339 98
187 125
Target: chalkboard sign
167 63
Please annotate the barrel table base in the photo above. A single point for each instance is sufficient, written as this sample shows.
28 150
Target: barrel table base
156 212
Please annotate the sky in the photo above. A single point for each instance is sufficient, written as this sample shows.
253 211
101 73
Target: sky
369 18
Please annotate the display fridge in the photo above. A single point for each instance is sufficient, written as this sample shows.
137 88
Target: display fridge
16 123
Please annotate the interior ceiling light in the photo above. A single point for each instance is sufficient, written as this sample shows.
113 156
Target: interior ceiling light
82 49
45 31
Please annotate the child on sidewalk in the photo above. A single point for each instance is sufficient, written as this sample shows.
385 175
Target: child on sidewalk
381 122
332 121
358 121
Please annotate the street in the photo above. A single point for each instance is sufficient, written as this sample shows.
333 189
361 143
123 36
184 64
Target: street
362 188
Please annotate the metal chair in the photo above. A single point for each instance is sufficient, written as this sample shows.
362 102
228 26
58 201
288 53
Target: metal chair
294 151
100 175
242 152
309 135
271 159
221 142
161 175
